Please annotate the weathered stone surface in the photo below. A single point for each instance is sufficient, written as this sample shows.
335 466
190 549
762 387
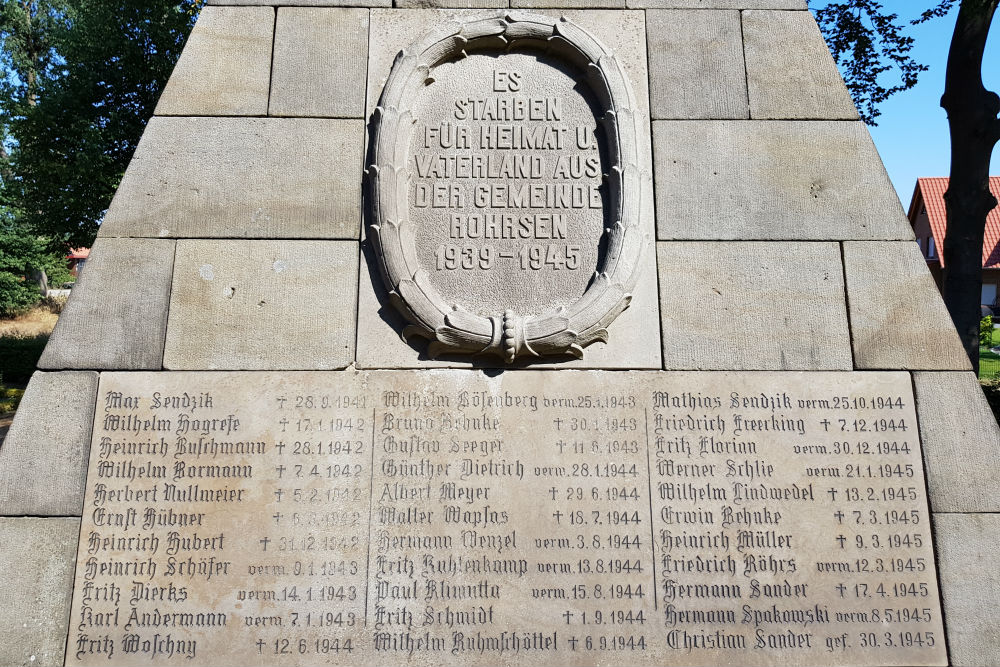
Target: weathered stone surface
43 460
490 498
716 4
898 319
225 69
797 80
451 4
262 305
37 566
753 306
117 313
622 32
569 4
961 442
305 3
320 62
696 65
632 333
633 340
750 180
242 177
970 585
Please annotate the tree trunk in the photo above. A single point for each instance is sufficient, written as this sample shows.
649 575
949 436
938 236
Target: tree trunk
972 120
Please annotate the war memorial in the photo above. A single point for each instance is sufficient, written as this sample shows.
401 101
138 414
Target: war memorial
503 332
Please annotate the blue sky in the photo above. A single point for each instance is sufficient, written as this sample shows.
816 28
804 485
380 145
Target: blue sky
912 132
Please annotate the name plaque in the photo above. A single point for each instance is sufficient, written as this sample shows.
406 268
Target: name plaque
533 517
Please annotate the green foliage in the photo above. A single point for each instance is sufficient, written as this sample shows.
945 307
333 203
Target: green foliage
872 48
10 398
83 77
19 356
986 331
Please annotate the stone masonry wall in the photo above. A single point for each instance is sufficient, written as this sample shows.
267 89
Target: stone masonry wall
236 242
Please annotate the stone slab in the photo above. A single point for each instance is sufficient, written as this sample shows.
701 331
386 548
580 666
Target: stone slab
568 4
696 64
262 305
898 319
242 178
961 442
798 80
634 334
37 567
304 3
447 517
753 306
225 68
970 585
772 180
451 4
716 4
43 460
117 313
320 62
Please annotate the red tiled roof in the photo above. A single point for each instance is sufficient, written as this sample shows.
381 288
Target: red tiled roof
78 253
930 192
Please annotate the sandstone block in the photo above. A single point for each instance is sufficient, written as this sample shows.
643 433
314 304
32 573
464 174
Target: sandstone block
37 560
43 461
696 64
225 68
243 178
797 80
898 319
117 313
753 306
754 180
716 4
969 570
320 62
255 305
961 442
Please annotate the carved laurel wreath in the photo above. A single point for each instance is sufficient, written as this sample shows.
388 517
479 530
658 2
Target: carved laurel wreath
450 328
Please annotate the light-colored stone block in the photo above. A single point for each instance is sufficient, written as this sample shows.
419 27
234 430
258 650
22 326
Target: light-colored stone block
898 319
622 32
262 305
225 68
36 563
452 4
756 180
797 79
633 341
696 65
304 3
244 178
43 460
753 306
969 570
568 4
961 442
716 4
117 313
320 62
634 336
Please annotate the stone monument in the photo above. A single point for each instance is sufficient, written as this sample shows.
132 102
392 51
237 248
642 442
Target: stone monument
503 332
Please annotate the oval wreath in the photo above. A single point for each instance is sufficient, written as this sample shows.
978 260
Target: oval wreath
450 328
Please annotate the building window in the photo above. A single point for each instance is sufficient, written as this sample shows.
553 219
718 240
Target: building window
931 250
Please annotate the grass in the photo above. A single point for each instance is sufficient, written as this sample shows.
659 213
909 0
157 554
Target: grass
989 362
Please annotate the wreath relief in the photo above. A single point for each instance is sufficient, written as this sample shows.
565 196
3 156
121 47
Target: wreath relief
450 328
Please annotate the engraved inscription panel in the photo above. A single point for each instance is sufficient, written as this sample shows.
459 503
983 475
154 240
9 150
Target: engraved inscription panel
506 191
448 517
